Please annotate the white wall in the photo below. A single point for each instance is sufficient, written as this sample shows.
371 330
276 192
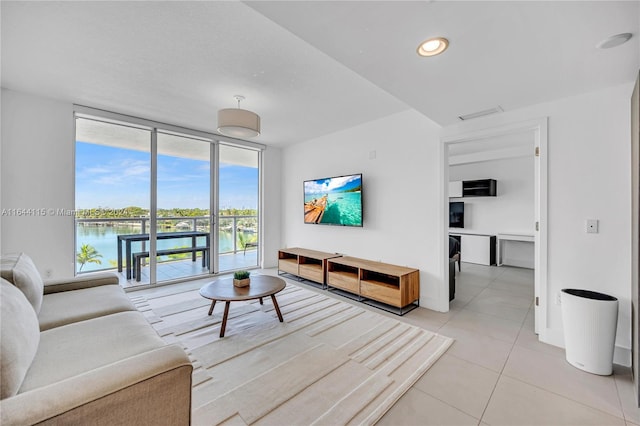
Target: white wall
37 172
511 210
588 177
271 206
401 189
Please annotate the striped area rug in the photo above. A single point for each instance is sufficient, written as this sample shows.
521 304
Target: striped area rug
330 363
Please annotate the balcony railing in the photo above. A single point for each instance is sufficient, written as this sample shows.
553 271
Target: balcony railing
233 231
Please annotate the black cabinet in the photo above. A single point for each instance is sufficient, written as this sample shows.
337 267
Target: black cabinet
479 188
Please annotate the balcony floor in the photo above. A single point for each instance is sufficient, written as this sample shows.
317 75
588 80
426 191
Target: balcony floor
174 270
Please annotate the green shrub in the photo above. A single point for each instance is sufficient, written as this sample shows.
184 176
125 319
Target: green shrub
241 275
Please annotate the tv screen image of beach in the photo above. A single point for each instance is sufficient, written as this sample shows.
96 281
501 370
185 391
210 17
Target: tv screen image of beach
334 201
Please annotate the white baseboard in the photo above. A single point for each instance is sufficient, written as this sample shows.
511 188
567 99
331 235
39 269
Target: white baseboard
621 355
520 263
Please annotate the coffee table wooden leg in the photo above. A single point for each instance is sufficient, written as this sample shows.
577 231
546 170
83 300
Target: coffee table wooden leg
224 318
261 302
211 308
275 305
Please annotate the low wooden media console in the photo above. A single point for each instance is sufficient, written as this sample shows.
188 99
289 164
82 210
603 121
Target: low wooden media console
369 281
308 264
390 284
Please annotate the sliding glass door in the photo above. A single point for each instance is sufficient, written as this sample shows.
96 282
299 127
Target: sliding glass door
147 201
183 219
238 225
143 199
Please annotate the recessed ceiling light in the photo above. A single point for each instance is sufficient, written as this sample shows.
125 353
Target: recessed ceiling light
614 40
433 46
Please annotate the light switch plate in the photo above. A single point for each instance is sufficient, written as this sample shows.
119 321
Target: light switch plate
592 226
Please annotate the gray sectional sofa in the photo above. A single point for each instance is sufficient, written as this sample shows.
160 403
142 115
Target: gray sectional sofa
78 352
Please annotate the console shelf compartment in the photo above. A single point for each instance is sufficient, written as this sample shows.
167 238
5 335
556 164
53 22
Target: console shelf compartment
344 277
395 286
288 263
305 264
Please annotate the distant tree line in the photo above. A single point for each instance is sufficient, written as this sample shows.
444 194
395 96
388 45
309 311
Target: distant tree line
134 211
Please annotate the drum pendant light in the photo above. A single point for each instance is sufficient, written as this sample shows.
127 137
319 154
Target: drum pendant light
237 122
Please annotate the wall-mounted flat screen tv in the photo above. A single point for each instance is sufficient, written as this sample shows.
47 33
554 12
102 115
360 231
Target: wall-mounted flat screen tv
334 201
456 214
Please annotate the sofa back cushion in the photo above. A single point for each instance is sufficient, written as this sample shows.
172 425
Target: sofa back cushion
20 338
19 270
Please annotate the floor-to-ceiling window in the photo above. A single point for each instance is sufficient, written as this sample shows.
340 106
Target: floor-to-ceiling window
112 180
145 193
183 202
238 225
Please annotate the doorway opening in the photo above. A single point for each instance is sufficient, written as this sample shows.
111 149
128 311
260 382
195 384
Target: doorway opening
514 156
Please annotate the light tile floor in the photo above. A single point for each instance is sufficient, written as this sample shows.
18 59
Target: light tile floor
497 373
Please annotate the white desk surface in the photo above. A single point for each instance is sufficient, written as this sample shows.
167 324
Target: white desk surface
528 238
516 237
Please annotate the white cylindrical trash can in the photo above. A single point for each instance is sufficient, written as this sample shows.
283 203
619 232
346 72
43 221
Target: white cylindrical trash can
590 319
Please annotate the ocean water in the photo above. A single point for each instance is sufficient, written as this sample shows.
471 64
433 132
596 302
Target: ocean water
343 208
104 240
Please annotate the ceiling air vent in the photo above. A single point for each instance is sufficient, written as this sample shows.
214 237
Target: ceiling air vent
481 113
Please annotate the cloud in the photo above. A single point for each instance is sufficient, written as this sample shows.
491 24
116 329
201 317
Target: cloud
117 173
327 185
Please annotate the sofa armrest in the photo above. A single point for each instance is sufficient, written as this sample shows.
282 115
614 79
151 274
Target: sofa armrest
84 281
149 388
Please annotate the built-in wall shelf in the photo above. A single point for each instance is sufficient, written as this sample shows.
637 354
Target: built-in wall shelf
479 188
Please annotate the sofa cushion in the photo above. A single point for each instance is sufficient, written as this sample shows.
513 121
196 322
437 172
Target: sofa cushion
77 348
19 270
78 305
92 279
20 337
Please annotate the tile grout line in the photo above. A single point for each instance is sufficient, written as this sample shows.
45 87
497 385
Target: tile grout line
624 415
550 391
513 345
445 403
506 361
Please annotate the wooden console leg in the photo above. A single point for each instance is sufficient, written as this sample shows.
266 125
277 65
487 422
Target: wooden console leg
224 319
275 305
211 308
261 302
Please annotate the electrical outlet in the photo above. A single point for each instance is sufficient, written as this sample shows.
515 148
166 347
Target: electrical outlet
592 226
558 299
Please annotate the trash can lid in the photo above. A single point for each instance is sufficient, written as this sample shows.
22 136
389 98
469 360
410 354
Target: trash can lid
588 294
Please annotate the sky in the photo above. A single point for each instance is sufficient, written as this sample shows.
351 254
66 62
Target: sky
341 183
112 177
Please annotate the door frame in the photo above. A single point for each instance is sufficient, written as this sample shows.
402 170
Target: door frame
635 237
539 129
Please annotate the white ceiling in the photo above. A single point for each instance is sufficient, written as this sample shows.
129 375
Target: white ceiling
312 68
